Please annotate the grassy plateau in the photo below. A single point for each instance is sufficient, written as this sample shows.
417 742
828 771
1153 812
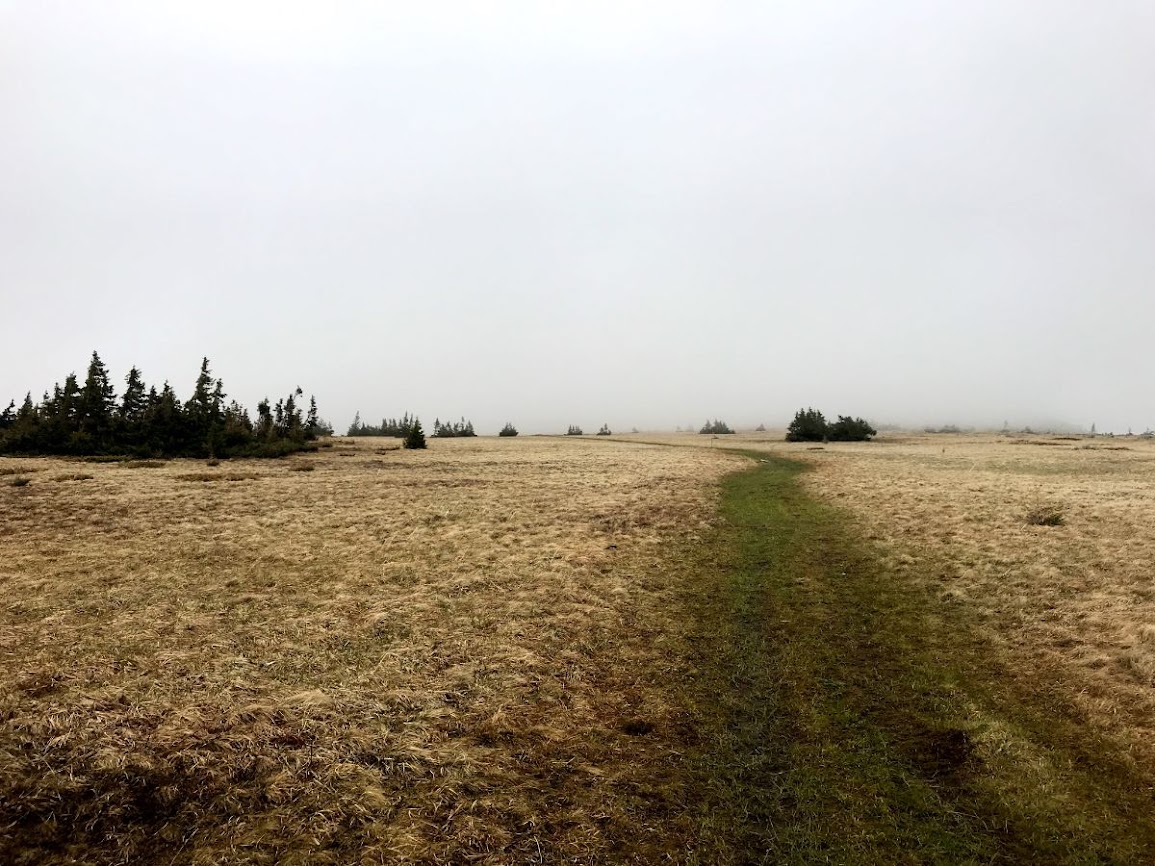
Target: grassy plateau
577 651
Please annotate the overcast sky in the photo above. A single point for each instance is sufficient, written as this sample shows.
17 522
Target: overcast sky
552 213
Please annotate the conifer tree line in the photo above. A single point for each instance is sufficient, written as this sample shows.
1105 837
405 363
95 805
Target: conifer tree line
716 427
397 428
400 428
90 419
453 429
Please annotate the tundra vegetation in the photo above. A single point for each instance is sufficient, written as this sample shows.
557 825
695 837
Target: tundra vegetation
89 419
563 651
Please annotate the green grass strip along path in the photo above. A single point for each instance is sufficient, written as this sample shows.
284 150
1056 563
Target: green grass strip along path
852 717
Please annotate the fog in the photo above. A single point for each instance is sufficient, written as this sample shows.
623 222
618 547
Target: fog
626 213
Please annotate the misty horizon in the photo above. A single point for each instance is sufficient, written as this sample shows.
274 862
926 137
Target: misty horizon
1037 425
588 214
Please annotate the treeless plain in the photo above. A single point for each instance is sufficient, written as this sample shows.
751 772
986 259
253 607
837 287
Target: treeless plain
472 654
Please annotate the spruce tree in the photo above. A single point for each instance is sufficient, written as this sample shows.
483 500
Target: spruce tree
97 402
200 403
198 409
414 435
69 400
265 422
135 400
311 423
808 426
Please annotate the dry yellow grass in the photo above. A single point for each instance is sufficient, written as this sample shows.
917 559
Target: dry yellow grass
448 656
955 513
1078 597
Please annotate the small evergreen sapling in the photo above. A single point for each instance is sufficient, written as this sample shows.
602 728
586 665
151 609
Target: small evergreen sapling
415 436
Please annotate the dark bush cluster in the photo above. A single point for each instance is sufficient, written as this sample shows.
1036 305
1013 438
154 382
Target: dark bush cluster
90 419
715 427
847 429
453 429
508 430
605 430
809 425
573 430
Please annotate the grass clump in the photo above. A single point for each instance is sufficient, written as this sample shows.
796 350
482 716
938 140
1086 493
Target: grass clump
144 464
73 476
216 476
19 481
1046 514
15 470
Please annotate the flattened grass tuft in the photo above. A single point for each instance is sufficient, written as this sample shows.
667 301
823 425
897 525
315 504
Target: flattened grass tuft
1046 514
17 470
216 476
